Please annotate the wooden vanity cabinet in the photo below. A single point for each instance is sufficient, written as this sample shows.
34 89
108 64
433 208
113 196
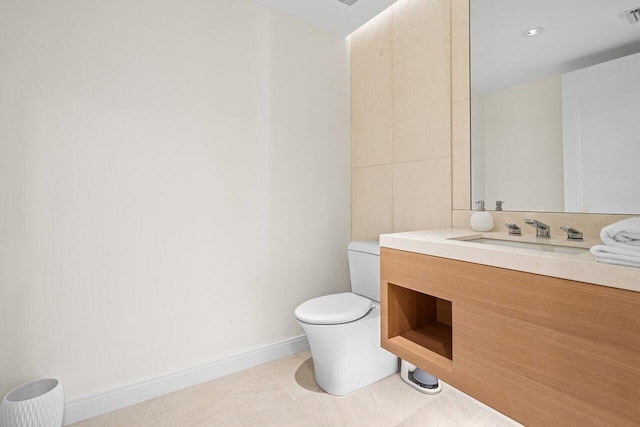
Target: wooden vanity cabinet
542 350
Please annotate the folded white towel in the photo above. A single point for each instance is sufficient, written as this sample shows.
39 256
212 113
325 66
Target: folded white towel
625 232
629 256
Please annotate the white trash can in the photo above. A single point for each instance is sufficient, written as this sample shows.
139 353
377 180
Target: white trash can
38 403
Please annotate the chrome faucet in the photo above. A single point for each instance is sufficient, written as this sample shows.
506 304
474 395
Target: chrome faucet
542 230
572 233
513 229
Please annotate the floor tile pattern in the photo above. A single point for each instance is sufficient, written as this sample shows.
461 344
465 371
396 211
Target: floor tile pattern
284 393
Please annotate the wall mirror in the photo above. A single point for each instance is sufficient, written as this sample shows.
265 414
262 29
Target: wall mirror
555 105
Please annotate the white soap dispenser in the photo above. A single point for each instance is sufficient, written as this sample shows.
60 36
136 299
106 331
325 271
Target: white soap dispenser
481 220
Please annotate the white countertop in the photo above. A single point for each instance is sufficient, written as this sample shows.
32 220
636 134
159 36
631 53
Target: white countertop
449 243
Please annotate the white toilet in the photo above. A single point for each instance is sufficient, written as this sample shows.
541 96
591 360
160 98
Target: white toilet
344 329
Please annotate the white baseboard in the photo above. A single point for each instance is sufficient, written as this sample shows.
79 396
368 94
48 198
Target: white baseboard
82 408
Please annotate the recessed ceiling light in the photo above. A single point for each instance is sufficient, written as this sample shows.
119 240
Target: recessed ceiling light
533 32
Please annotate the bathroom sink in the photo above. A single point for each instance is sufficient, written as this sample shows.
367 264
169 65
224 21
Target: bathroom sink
530 245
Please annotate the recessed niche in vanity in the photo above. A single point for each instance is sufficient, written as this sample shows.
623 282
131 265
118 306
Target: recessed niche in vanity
421 319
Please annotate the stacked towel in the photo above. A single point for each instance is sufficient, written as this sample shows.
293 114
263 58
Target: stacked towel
621 243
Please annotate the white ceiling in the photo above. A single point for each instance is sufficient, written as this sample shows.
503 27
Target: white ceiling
330 15
577 34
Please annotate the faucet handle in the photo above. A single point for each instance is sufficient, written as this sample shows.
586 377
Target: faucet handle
513 228
572 233
542 229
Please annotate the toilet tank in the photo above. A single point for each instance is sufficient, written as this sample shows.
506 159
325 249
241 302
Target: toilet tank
364 267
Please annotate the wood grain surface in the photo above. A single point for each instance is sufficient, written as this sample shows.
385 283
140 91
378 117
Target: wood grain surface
542 350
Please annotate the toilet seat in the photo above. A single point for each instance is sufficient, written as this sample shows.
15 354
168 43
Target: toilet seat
333 309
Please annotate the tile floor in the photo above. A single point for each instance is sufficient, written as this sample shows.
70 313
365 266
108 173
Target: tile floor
284 393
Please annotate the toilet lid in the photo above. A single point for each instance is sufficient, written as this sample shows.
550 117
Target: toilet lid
333 309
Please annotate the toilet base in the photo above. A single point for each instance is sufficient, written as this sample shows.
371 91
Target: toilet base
348 356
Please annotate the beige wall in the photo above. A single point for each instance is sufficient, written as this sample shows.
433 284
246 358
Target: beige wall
460 122
401 120
174 180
